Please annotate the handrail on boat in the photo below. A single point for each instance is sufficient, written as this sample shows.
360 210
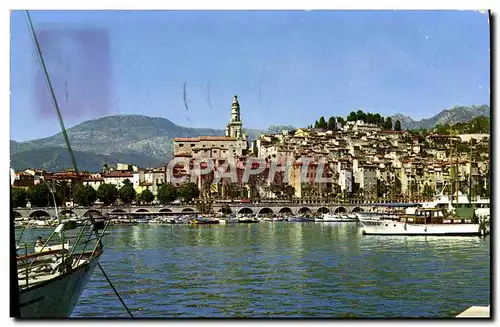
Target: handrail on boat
60 229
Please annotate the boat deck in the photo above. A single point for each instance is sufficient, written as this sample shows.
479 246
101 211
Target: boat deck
41 272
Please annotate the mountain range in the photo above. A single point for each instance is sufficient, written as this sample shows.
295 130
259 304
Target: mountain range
147 141
454 115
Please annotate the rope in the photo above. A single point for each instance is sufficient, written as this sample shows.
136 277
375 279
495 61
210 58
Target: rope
116 292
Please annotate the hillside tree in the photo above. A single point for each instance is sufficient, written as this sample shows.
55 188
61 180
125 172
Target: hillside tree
127 193
388 123
361 115
107 194
352 116
332 123
397 125
167 193
188 191
145 196
85 195
39 196
19 197
322 122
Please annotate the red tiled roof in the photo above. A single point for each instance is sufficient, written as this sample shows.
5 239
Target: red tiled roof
204 138
186 139
217 138
117 173
94 179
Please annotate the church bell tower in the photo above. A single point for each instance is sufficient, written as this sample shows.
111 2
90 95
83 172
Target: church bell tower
235 126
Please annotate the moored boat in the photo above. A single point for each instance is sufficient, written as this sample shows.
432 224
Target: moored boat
204 221
328 217
425 221
301 219
51 281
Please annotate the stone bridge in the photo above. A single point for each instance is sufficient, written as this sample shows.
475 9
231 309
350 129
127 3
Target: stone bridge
250 208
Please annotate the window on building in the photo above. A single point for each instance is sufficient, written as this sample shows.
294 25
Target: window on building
181 145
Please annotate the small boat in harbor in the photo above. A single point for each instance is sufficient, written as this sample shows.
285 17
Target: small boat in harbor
301 220
328 217
204 221
247 220
426 221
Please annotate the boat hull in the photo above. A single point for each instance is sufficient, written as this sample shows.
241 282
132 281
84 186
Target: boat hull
56 298
397 228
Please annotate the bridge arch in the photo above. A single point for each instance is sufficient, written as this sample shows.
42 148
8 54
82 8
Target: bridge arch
265 211
340 210
165 210
118 211
286 210
323 210
39 213
304 210
16 214
67 211
225 210
357 209
92 212
246 210
187 210
141 210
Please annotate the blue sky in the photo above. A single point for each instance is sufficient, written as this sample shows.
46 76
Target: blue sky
287 67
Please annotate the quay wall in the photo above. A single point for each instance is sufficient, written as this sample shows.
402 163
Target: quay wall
255 208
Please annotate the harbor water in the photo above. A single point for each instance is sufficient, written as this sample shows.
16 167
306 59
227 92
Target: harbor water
284 270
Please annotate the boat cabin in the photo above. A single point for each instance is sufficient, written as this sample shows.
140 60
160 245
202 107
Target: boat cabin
434 216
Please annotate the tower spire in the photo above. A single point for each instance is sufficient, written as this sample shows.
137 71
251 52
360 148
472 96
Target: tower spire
235 110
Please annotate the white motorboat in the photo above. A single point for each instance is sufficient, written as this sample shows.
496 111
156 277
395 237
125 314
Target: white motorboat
425 221
328 217
481 205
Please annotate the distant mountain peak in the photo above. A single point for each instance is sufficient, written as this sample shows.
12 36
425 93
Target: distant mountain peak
448 116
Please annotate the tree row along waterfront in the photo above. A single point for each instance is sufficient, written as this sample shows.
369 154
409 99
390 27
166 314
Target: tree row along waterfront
106 194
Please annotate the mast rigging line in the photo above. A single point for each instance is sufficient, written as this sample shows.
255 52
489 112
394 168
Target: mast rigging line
51 89
65 135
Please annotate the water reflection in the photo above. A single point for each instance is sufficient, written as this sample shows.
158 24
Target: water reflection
285 269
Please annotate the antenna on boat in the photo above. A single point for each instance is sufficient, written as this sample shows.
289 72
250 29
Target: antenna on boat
65 136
